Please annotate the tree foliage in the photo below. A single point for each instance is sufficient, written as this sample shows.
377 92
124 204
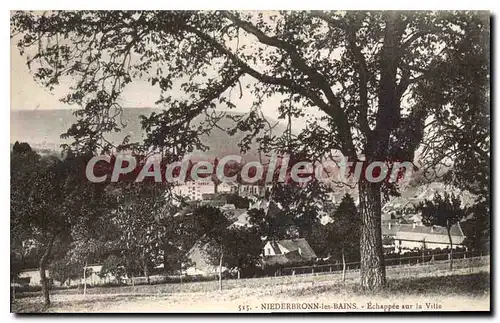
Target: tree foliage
49 201
241 247
443 210
459 137
64 269
140 234
113 266
272 223
344 232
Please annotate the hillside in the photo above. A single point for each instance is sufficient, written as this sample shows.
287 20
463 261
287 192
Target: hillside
42 130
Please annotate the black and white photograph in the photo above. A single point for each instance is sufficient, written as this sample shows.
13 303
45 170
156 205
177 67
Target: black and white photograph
250 162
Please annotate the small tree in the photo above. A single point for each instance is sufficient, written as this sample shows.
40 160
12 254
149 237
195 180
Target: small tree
344 233
241 247
113 266
318 239
84 249
444 211
65 269
238 201
213 223
477 229
141 234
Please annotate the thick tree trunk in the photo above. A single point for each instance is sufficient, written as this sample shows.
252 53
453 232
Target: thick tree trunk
43 277
372 254
448 228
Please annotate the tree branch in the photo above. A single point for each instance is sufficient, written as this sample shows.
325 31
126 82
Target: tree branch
317 78
245 68
332 110
363 80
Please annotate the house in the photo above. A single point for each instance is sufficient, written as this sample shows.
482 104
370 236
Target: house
410 236
288 251
31 277
239 217
200 264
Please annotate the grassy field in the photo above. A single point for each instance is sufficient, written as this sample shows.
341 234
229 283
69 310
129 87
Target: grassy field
460 290
441 268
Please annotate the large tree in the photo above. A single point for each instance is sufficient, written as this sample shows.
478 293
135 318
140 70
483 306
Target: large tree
352 74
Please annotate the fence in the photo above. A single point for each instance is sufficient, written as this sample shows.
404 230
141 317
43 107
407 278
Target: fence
394 261
403 265
471 265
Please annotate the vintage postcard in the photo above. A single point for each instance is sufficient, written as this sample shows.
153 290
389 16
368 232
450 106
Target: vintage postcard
249 161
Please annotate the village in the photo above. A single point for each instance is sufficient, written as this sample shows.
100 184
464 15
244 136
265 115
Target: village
402 230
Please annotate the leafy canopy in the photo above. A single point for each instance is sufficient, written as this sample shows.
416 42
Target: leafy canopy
443 210
352 75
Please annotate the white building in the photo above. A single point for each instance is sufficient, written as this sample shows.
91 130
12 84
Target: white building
194 190
31 277
247 190
410 236
288 251
226 187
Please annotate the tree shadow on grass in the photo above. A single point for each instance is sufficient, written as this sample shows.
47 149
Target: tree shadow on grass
464 285
472 284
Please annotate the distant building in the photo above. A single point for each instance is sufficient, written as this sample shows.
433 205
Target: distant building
31 277
410 236
194 190
287 252
239 217
249 190
227 187
403 207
